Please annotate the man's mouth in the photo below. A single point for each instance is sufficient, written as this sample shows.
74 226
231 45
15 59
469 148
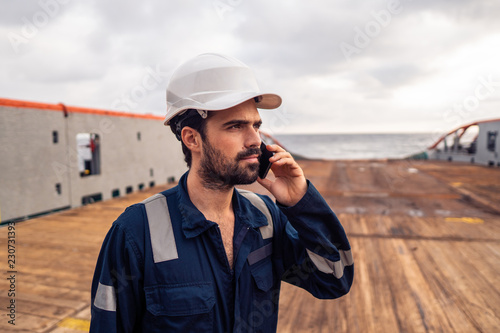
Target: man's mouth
251 155
252 158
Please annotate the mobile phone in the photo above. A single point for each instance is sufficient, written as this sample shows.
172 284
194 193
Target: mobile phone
264 165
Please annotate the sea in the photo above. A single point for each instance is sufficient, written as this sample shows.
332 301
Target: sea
356 146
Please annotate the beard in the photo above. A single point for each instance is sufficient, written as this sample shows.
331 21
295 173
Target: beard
220 173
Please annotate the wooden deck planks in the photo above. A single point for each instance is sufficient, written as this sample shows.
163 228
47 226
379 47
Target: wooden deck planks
415 269
399 287
414 273
55 259
453 278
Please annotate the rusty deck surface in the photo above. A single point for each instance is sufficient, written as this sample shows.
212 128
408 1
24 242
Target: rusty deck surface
425 239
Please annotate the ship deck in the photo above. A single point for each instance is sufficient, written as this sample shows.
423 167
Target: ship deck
425 237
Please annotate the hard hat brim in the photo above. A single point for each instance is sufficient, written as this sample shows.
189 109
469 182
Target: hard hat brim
267 101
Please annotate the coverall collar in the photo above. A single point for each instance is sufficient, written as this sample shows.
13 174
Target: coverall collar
194 222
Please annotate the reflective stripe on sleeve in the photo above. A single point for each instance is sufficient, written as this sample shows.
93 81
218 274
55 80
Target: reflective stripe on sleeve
267 230
105 297
332 267
160 229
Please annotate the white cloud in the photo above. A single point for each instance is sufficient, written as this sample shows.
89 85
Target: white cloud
426 57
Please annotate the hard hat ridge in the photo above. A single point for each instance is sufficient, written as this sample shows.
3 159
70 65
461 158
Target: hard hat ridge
214 82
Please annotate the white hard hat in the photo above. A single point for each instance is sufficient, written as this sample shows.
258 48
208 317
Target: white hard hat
212 82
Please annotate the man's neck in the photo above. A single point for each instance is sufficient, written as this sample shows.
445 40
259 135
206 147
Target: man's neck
215 204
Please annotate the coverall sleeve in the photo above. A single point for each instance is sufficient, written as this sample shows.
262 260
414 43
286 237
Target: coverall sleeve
116 297
314 249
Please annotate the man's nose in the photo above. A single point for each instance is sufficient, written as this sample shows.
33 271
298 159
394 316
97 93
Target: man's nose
253 138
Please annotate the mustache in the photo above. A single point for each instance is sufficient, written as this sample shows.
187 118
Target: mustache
248 152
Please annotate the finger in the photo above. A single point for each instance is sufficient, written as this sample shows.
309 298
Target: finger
286 166
284 161
275 148
280 155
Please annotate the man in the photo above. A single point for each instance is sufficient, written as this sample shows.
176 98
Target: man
202 256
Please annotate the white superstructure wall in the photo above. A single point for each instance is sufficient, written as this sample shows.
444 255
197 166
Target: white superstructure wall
484 149
27 180
488 143
39 158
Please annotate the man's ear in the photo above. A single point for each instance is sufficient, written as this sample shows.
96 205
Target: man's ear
191 139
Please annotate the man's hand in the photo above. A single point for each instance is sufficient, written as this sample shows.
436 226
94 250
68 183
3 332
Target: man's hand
290 184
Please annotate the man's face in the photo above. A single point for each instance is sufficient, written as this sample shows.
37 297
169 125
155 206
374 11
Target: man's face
231 150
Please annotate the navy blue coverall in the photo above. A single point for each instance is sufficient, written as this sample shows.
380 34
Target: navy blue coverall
163 267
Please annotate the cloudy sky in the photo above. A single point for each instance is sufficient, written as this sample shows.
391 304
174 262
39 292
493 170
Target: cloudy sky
340 66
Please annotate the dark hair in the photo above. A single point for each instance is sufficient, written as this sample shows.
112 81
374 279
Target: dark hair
190 118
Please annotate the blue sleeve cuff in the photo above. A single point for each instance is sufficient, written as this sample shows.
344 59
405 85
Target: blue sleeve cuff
311 193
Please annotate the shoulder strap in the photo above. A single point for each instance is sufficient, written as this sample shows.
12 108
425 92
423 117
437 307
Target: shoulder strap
267 230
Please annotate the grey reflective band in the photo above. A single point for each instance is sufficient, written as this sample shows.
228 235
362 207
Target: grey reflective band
160 229
105 297
260 254
265 231
332 267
